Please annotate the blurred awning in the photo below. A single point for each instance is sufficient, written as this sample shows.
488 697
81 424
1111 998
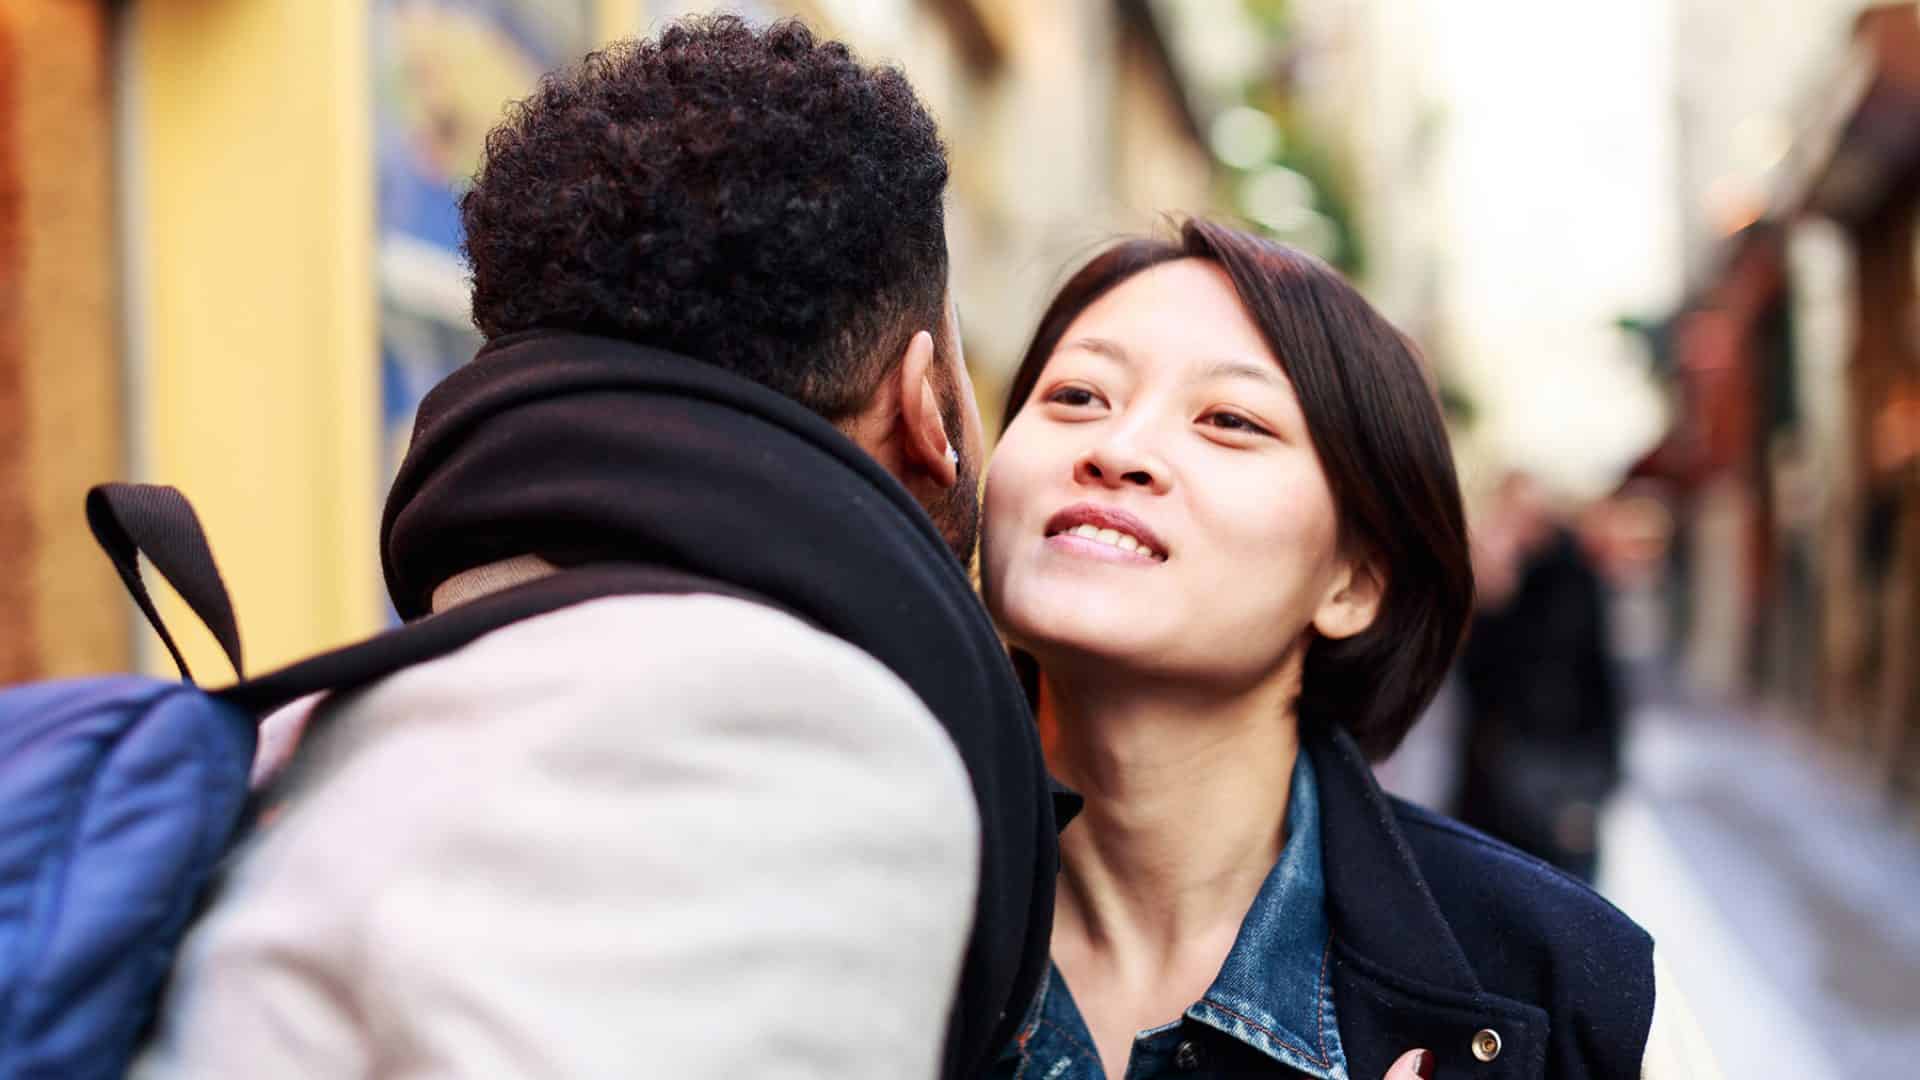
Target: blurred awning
984 28
1725 354
1727 350
1137 17
1863 150
987 29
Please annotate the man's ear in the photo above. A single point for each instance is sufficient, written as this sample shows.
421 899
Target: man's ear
1352 601
923 434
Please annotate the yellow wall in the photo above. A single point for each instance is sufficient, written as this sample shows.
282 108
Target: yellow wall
251 193
622 18
253 303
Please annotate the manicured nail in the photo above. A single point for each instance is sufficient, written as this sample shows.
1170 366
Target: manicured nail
1423 1064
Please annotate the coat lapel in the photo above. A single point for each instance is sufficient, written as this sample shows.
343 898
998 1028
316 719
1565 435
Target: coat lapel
1401 979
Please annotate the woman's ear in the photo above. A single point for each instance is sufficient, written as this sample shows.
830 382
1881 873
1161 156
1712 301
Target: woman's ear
1352 600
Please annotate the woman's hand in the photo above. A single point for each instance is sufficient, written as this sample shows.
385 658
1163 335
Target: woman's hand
1413 1065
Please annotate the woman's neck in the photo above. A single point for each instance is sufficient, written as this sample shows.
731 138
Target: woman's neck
1186 797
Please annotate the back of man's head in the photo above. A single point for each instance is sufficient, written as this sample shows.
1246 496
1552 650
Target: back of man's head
748 196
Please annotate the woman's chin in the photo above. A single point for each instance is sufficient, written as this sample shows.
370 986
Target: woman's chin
1079 636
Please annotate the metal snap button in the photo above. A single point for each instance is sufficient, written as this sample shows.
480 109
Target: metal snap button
1186 1056
1486 1044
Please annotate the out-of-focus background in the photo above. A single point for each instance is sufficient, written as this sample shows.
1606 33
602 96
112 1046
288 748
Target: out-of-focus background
1661 254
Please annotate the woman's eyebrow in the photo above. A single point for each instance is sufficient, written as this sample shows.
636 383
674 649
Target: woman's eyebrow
1265 374
1112 350
1241 369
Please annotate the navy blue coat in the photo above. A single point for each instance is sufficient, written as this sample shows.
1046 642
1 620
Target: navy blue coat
1441 933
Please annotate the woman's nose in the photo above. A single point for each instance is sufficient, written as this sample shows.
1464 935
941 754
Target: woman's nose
1121 464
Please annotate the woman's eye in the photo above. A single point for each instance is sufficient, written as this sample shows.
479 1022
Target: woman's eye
1074 396
1233 422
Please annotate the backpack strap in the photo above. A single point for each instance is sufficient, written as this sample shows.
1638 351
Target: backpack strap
438 635
131 520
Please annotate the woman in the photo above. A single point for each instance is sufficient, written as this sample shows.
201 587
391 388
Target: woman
1224 536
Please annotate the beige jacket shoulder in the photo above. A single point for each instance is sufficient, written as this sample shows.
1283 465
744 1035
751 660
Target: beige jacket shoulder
680 836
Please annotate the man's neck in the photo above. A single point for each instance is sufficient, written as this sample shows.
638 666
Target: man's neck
470 585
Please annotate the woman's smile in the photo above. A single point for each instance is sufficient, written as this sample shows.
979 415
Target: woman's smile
1103 546
1108 534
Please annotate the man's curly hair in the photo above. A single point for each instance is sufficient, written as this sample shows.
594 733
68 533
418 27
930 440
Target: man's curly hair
749 196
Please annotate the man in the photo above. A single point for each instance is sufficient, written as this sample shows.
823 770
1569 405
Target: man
787 818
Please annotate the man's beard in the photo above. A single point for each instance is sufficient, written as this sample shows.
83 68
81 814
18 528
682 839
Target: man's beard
957 513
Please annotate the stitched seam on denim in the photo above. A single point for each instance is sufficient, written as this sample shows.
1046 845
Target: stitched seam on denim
1026 1054
1264 1030
1067 1035
1039 1005
1024 1036
1320 999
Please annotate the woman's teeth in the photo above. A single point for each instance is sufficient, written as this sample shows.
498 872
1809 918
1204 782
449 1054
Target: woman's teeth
1113 537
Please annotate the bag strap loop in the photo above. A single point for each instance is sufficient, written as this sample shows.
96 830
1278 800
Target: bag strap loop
130 520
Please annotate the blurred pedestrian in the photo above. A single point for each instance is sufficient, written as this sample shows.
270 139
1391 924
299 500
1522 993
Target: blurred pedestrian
1544 709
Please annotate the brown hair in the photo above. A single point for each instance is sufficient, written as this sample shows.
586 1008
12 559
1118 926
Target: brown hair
1375 422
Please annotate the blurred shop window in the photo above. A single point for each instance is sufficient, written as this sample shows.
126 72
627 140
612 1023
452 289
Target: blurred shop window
443 72
759 11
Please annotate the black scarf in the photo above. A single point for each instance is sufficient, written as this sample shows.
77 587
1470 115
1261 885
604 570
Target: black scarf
588 450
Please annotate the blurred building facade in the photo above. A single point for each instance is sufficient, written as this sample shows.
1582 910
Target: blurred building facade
1512 181
229 258
1795 362
60 373
1747 76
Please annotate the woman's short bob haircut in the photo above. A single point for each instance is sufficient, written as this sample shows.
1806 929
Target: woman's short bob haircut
1375 423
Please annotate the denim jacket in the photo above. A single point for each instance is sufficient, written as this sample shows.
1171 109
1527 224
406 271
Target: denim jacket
1268 1013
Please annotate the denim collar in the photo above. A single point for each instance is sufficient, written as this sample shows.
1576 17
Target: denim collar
1273 991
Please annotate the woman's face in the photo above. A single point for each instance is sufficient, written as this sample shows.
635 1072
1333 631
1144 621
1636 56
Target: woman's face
1157 503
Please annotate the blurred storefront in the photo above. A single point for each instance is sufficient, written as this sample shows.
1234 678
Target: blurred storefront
229 255
60 373
1868 184
1796 364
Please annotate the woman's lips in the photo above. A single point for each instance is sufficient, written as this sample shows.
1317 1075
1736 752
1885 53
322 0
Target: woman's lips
1107 526
1082 547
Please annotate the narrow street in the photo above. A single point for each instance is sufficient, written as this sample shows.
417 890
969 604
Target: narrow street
1784 893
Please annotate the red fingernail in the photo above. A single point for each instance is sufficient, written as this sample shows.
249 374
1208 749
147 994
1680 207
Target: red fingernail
1423 1064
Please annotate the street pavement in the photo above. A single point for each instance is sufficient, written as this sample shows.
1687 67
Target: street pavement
1783 889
